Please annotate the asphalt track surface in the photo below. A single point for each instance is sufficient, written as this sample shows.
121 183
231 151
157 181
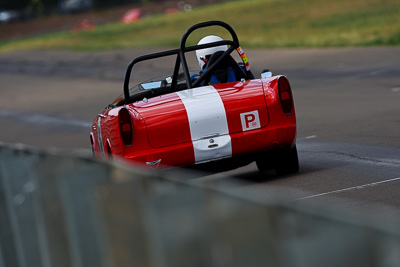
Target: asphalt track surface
347 105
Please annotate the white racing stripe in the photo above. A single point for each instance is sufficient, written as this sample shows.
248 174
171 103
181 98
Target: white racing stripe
208 123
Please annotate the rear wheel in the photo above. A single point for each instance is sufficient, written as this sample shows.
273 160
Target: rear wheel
92 144
283 161
288 162
266 162
109 152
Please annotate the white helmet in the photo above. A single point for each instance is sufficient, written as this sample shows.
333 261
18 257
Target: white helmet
201 54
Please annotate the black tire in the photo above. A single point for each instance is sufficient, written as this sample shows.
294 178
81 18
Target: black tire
288 162
283 161
266 162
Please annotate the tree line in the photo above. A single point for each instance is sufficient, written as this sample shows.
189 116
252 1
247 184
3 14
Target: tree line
43 7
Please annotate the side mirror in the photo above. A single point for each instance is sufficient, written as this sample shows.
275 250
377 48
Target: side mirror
266 74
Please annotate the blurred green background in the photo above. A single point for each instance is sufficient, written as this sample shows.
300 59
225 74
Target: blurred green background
258 23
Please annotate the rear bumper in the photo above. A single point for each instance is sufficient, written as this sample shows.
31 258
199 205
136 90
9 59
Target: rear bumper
242 145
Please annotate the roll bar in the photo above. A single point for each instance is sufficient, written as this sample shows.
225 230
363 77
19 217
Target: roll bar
181 59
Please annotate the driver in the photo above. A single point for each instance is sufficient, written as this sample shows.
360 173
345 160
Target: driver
203 56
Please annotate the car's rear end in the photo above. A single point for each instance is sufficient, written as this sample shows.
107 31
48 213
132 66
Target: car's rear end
202 124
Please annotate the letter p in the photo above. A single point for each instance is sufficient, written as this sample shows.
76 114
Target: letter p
250 120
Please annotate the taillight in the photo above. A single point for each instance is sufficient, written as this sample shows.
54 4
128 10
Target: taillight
285 95
125 126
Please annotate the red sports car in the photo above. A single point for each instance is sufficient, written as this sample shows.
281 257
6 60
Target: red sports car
220 116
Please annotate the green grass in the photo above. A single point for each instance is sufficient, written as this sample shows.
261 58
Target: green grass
258 23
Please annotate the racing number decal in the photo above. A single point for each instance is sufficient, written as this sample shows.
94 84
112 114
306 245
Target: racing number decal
250 120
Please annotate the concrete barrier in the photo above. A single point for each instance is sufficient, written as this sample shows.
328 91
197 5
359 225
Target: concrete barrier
72 210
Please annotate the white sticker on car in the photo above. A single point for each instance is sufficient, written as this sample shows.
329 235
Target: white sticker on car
250 120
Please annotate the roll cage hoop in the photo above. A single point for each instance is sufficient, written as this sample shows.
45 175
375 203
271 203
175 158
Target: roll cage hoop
181 59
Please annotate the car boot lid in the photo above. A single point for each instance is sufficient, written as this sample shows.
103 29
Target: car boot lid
203 113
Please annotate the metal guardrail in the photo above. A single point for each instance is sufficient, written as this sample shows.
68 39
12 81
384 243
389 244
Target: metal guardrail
71 210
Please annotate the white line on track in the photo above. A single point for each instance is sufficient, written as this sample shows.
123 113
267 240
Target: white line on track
307 137
350 188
